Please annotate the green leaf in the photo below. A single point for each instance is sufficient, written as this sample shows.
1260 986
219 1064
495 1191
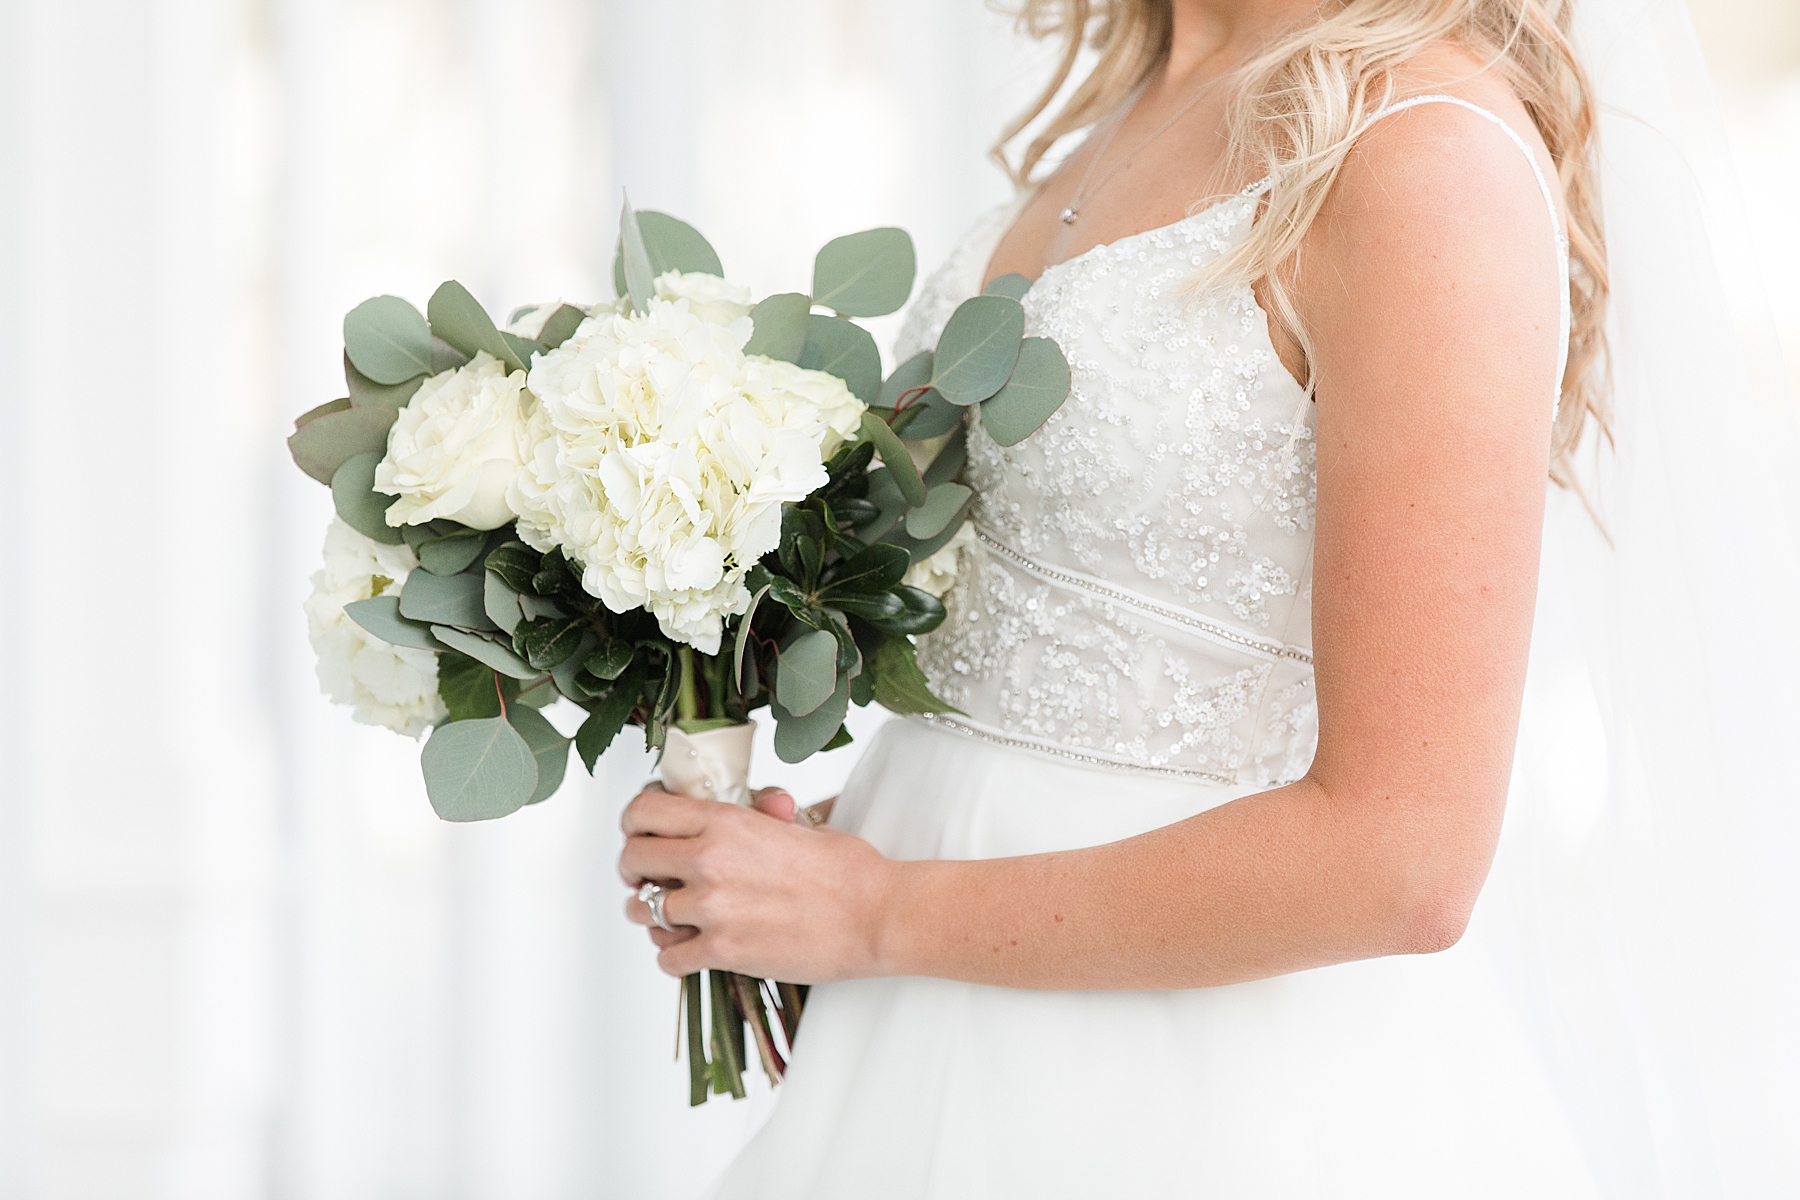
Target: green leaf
900 686
490 654
914 372
523 348
806 672
878 605
929 519
875 569
670 245
635 270
884 493
548 747
800 737
451 555
478 770
567 673
840 348
923 548
839 739
445 357
515 564
468 688
610 660
362 507
560 326
895 458
923 612
500 602
607 718
445 600
366 393
381 618
547 644
1013 287
1039 385
324 410
867 274
743 635
460 320
329 440
930 416
950 458
781 323
785 591
977 350
536 608
387 340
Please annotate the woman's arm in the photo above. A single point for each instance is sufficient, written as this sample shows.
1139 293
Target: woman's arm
1430 288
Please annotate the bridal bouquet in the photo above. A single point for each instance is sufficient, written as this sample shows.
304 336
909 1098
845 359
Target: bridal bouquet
669 510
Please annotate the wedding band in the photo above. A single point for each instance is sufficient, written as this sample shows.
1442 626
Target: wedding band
811 813
655 894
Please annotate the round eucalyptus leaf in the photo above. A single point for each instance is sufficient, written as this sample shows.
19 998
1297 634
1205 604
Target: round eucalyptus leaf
928 520
548 747
478 770
894 456
445 357
458 318
950 458
798 738
781 322
450 555
445 600
1039 384
936 417
500 601
1013 287
976 352
362 507
366 393
915 372
884 493
807 672
867 274
560 326
324 410
839 347
487 653
388 340
669 245
327 442
380 617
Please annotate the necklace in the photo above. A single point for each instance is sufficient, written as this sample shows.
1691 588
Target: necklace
1082 192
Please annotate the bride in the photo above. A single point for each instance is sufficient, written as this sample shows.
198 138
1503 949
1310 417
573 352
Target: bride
1189 895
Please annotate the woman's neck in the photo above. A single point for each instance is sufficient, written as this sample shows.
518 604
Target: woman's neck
1211 36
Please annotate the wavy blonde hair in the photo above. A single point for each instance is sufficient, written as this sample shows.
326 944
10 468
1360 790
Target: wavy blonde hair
1299 106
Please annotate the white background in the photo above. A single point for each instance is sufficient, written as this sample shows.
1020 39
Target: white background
238 956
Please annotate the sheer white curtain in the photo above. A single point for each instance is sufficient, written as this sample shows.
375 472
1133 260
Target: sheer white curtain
238 955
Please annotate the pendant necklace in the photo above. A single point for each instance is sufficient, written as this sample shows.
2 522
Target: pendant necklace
1082 192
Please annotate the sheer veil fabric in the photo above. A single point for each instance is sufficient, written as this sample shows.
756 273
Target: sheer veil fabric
1651 834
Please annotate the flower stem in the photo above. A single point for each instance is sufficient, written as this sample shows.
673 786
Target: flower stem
687 701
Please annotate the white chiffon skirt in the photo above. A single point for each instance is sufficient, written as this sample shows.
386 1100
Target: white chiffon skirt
1394 1078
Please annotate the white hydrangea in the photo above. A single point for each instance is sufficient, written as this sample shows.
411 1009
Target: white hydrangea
708 297
394 686
531 319
813 401
454 449
656 469
937 574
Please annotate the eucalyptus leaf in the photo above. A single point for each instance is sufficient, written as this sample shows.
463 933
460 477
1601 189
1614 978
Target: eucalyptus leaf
929 519
549 747
884 493
607 718
743 636
922 612
923 548
478 770
806 672
842 348
670 245
453 554
536 608
490 654
635 270
362 507
327 442
900 686
915 372
324 410
523 348
976 352
1013 287
1039 385
388 340
781 323
366 393
930 416
460 320
800 737
381 618
895 458
445 357
560 326
445 600
867 274
500 602
949 460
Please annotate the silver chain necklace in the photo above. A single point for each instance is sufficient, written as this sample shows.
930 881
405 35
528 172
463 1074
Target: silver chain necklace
1082 192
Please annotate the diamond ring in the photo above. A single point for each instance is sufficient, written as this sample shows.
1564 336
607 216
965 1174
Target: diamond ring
654 895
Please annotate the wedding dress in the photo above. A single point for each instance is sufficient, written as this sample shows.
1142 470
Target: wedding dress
1129 637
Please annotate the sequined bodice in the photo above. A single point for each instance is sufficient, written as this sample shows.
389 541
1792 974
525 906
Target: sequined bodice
1138 592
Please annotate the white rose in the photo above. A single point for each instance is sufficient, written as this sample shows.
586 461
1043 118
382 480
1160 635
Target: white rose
456 446
794 397
383 684
937 574
708 297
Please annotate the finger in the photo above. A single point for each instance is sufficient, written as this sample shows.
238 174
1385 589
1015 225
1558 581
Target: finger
638 913
659 858
664 939
665 814
775 802
684 958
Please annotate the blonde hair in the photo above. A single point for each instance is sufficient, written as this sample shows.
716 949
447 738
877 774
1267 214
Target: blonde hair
1301 104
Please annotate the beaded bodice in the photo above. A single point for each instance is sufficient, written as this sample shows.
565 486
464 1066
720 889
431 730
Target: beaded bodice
1138 591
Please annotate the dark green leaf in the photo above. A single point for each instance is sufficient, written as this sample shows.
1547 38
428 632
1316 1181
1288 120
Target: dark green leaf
366 393
554 575
857 511
781 322
867 274
895 458
609 661
381 618
567 673
879 605
607 718
899 684
490 654
328 441
800 737
812 556
945 502
478 770
806 672
548 747
467 687
876 569
839 347
635 270
1013 287
923 612
546 644
388 340
976 352
849 464
362 507
515 564
669 245
839 739
560 326
784 591
500 602
1039 385
445 600
862 689
453 554
460 320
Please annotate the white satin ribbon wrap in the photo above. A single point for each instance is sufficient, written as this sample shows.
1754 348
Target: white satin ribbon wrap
713 765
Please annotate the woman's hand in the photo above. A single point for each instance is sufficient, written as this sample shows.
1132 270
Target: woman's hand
759 891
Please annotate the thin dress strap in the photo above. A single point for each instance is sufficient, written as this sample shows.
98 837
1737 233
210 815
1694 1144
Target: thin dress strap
1537 172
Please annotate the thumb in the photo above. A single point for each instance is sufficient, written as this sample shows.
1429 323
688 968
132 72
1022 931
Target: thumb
775 802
